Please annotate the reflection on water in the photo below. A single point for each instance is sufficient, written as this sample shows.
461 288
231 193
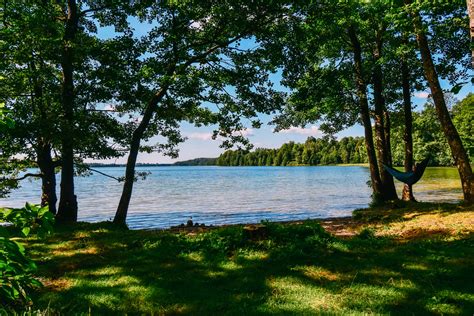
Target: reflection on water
225 195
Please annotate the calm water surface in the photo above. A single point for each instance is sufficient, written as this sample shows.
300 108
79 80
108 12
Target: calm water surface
227 195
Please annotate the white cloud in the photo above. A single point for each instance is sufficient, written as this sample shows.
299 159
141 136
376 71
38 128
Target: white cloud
200 136
208 136
246 132
422 95
310 131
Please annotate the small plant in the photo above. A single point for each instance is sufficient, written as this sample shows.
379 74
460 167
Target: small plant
16 279
31 218
367 234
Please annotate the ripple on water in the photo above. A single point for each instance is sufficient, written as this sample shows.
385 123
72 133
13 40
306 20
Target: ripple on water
230 195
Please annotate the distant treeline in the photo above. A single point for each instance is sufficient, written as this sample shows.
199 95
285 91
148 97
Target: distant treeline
197 162
428 140
322 151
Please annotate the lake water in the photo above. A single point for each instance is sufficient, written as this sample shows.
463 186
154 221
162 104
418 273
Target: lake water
227 195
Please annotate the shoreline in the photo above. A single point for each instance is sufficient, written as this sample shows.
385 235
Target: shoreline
432 218
335 225
343 226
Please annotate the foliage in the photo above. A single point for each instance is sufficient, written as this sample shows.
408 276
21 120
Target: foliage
16 280
428 140
29 219
6 167
6 122
16 268
428 137
463 118
323 151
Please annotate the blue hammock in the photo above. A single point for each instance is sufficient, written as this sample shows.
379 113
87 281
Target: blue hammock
410 177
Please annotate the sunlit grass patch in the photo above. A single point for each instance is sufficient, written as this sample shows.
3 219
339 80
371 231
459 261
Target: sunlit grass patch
318 274
415 266
370 298
290 294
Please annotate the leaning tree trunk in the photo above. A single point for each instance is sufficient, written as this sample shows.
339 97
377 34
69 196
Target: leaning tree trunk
365 115
407 193
67 211
458 151
48 176
122 209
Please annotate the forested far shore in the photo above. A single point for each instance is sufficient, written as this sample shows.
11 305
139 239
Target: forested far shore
428 140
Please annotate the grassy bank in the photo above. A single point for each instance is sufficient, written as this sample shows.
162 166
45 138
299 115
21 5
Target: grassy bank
402 259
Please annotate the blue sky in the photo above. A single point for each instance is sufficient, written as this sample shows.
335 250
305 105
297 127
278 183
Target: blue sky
200 144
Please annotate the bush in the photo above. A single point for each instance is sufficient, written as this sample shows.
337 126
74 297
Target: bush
16 278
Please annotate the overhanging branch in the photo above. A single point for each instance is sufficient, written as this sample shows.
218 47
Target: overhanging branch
26 175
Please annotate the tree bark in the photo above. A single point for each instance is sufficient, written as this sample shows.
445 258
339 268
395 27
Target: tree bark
407 193
48 178
122 209
43 146
381 127
67 211
458 151
388 132
365 115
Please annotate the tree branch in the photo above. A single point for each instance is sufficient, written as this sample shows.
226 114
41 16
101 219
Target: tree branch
104 174
26 175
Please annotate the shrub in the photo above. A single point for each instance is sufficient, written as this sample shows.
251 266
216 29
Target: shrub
16 278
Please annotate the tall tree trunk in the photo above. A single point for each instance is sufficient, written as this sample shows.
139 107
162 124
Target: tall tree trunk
457 149
48 185
407 193
122 209
381 127
365 115
43 148
67 211
388 132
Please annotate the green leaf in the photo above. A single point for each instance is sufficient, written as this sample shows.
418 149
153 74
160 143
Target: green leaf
42 211
26 231
457 87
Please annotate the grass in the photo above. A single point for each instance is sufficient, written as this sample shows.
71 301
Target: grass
400 259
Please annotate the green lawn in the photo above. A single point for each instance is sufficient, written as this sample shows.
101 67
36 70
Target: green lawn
289 269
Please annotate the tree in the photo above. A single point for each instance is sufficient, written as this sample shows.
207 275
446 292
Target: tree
463 118
195 57
331 66
55 82
28 91
460 156
313 152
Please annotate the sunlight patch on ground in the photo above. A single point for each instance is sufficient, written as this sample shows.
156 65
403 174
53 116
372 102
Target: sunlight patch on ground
425 225
291 294
371 298
317 274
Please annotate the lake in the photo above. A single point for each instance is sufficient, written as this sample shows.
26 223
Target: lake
228 195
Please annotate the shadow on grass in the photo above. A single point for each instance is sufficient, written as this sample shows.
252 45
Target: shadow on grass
295 270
